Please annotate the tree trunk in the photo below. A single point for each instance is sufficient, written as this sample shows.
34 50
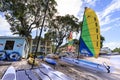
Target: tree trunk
57 47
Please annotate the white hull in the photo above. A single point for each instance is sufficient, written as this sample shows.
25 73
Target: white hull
90 65
10 74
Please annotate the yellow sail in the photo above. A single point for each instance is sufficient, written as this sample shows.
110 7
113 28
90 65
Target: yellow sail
90 34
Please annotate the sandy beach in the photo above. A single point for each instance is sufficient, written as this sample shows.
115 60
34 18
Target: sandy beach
75 72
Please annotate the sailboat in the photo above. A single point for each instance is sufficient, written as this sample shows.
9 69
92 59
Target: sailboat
70 43
90 34
89 42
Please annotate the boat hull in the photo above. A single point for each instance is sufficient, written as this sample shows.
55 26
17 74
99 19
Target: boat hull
87 64
10 74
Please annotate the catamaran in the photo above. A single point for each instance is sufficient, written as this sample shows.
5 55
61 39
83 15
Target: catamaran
90 34
89 42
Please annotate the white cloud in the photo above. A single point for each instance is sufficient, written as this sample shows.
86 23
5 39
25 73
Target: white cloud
71 7
106 20
76 35
112 45
85 3
105 29
117 24
104 16
89 2
114 6
4 24
4 27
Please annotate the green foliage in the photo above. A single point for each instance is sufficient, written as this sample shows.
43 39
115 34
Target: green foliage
116 50
25 15
102 40
76 41
60 28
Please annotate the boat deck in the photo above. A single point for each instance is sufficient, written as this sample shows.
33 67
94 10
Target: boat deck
42 73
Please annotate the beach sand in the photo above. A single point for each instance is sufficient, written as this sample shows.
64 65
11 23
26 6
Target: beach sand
75 72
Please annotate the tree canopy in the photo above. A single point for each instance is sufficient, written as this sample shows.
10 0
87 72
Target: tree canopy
60 28
116 50
102 40
25 15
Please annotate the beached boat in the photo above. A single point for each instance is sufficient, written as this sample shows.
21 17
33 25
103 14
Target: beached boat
43 72
89 42
90 34
50 61
70 47
10 74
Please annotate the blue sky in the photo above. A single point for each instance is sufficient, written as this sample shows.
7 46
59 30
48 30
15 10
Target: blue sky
108 12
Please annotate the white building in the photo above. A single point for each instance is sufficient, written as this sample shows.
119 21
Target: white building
14 45
105 50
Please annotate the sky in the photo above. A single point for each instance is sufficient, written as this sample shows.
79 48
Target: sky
108 12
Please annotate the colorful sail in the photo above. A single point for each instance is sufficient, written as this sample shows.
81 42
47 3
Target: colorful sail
90 34
70 43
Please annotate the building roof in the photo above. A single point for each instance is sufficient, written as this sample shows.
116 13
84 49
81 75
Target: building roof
12 37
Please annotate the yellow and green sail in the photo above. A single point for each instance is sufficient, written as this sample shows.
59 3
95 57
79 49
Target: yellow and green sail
90 34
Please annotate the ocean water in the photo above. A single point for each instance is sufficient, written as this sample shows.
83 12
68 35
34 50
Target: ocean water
115 61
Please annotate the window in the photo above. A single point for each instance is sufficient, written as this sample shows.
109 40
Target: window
97 44
48 49
96 30
95 18
88 16
9 45
42 49
97 37
34 48
96 24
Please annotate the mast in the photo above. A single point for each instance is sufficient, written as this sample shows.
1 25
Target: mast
39 37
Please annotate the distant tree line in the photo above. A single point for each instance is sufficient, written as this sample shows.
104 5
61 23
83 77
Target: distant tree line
116 50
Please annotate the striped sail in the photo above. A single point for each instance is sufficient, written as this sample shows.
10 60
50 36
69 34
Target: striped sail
90 34
70 43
